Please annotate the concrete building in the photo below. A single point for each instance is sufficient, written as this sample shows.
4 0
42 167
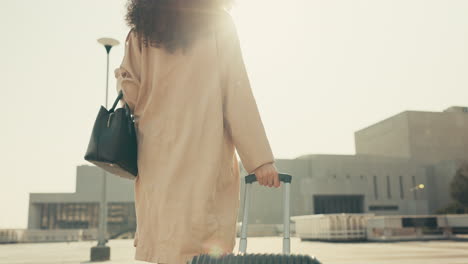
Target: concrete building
80 210
392 158
428 137
437 140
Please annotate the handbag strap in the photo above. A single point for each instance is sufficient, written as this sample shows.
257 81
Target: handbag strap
117 101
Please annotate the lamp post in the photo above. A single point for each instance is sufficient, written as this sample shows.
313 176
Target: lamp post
101 252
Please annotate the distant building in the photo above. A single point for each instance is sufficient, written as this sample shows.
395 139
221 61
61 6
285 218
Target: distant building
393 158
80 209
428 137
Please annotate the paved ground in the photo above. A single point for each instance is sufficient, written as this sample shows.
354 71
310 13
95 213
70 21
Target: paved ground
433 252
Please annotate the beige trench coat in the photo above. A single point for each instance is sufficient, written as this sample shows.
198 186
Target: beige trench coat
192 111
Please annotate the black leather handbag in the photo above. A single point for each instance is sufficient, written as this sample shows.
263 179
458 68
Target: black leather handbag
113 143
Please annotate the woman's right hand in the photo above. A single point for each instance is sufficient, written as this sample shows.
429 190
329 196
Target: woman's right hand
267 175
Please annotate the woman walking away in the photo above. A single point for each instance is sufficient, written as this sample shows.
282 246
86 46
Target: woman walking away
184 79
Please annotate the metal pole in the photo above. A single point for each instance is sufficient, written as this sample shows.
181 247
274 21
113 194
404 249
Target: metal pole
101 252
286 218
107 76
243 239
103 212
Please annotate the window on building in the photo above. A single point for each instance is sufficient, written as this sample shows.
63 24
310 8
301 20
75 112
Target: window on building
333 204
402 192
376 193
389 191
120 218
383 208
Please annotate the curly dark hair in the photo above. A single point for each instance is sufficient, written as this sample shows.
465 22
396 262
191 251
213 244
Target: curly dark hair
172 24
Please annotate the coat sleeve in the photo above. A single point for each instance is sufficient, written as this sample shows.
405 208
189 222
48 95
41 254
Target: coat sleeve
241 114
128 73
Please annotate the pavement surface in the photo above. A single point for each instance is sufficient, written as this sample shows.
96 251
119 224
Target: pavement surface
122 251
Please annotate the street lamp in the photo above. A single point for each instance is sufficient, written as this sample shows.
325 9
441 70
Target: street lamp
417 187
101 252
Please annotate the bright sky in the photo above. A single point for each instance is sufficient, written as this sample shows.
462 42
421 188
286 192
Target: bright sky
320 70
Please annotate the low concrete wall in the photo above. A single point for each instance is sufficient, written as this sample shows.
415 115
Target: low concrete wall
40 235
454 220
332 227
61 235
352 227
416 227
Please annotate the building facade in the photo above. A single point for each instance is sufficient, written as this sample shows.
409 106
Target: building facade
80 210
394 159
428 137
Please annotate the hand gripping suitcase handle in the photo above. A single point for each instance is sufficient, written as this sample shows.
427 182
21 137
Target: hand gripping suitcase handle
249 179
286 178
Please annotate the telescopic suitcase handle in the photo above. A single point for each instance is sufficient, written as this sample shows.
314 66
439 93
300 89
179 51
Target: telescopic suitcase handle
249 179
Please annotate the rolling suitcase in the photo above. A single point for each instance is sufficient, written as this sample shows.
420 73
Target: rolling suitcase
242 256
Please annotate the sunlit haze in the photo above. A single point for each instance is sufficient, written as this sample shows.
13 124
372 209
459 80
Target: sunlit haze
319 69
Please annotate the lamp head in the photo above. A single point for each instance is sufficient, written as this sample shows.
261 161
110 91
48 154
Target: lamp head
108 43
